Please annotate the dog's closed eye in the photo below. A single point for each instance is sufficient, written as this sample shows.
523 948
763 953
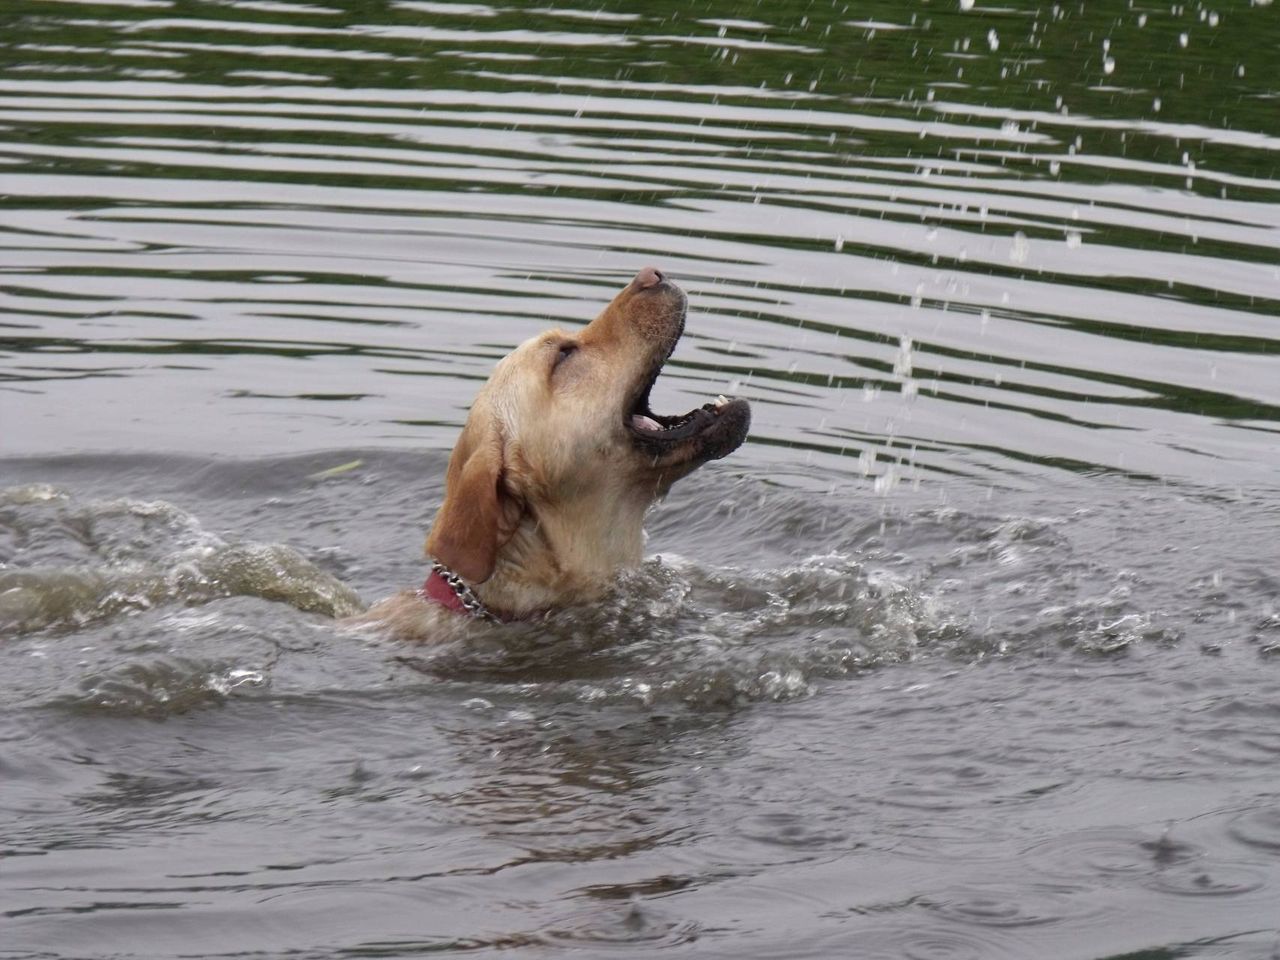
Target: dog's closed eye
566 351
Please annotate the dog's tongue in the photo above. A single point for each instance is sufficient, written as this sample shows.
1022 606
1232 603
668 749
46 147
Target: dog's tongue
641 422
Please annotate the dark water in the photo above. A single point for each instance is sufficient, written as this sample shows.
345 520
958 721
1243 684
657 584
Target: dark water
971 652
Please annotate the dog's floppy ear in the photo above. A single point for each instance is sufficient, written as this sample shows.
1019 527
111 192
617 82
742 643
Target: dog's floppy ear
478 515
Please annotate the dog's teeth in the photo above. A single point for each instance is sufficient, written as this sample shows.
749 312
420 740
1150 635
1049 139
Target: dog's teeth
641 422
721 401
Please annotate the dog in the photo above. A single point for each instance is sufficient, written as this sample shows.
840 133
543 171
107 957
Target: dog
558 462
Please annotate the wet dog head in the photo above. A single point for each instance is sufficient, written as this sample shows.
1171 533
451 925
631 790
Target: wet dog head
561 455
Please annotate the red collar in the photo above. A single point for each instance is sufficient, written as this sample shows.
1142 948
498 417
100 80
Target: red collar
437 590
450 591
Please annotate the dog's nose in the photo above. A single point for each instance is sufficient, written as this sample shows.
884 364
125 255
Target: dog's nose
648 277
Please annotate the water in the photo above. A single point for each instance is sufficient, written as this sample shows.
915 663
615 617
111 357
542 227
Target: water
969 652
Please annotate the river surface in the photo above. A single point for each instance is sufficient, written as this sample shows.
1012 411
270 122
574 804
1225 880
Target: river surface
971 652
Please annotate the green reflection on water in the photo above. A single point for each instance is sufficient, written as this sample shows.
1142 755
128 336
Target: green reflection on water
878 59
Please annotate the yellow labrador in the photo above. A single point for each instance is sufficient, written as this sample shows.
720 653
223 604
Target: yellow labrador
559 460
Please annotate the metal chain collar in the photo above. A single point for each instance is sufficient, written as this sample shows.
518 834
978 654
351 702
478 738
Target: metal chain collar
466 596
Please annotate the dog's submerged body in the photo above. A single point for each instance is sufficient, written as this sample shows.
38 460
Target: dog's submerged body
560 459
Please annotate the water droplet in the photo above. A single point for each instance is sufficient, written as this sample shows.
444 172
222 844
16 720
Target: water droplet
966 4
1142 20
1213 18
1019 248
839 242
886 481
1054 167
983 319
993 39
1155 104
1182 40
1240 70
1109 66
902 362
1074 239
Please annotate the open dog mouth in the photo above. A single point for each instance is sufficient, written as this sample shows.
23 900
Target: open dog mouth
652 426
708 432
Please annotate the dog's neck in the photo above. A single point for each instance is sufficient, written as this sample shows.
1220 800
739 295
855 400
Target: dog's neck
556 559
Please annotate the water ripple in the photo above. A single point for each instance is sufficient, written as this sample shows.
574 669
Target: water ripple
816 223
995 905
